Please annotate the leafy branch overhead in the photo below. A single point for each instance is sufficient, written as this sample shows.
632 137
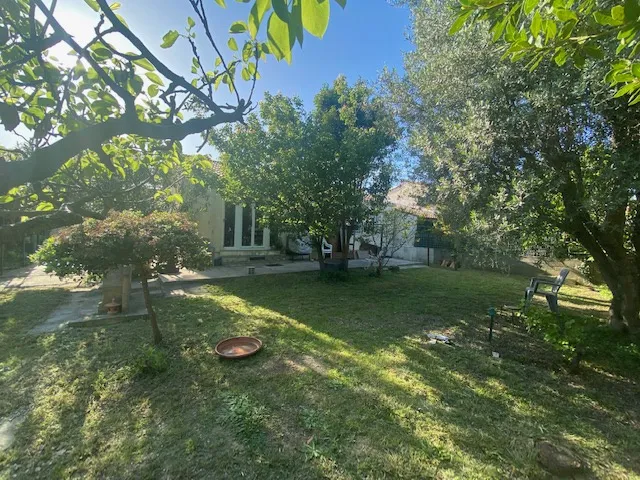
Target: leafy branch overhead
565 30
64 109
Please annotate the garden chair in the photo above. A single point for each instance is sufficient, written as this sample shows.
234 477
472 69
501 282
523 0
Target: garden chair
327 248
536 287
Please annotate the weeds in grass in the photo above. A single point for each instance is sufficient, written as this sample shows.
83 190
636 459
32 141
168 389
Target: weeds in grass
152 361
246 417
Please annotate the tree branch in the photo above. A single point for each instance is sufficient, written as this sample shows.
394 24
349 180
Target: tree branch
161 67
46 161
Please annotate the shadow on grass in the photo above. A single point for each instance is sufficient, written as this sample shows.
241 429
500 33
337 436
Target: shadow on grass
346 386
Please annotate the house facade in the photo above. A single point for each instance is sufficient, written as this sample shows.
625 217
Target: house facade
422 246
233 230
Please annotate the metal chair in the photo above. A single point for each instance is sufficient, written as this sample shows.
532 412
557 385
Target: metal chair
551 295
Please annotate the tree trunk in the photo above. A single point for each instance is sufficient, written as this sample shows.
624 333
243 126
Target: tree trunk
318 245
346 231
631 299
157 336
624 283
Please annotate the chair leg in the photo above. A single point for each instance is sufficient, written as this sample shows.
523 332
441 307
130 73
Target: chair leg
527 300
552 300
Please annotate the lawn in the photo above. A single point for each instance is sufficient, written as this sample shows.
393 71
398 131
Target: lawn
347 386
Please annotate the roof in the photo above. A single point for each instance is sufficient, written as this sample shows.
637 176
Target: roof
409 196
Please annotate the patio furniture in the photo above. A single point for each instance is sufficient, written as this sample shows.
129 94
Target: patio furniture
327 248
537 284
297 247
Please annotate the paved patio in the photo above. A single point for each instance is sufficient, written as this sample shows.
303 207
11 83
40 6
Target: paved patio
265 268
34 276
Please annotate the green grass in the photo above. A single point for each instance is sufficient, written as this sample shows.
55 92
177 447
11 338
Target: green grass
346 386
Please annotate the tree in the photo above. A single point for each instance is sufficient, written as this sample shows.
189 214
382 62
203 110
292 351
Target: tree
537 30
112 101
85 188
389 231
127 238
314 172
544 152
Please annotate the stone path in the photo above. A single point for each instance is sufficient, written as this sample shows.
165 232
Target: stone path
81 310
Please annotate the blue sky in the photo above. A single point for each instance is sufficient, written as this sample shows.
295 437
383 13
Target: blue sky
361 40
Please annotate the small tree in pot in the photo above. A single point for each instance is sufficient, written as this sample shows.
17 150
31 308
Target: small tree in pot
126 238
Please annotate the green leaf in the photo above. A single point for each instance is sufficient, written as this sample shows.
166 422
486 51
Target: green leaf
9 116
93 4
560 57
238 27
279 39
459 22
629 87
260 7
152 90
135 84
296 29
221 3
635 98
536 24
550 29
315 16
631 10
247 51
191 22
246 76
635 69
594 51
233 45
529 5
144 63
169 38
6 198
154 78
115 6
44 207
603 18
175 197
342 3
280 7
565 15
617 13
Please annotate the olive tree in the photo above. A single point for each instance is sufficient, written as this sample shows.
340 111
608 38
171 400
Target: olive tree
534 154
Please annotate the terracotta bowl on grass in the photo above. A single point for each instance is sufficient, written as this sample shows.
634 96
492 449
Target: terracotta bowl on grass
238 347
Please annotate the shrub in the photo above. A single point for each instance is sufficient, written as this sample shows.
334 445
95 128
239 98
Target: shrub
580 337
127 238
151 361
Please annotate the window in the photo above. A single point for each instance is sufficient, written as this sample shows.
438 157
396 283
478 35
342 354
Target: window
247 225
242 227
229 224
258 237
423 229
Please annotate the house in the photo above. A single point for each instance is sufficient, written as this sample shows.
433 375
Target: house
423 245
234 230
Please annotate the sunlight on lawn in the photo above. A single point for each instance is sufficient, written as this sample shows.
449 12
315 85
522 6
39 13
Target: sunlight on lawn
345 387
